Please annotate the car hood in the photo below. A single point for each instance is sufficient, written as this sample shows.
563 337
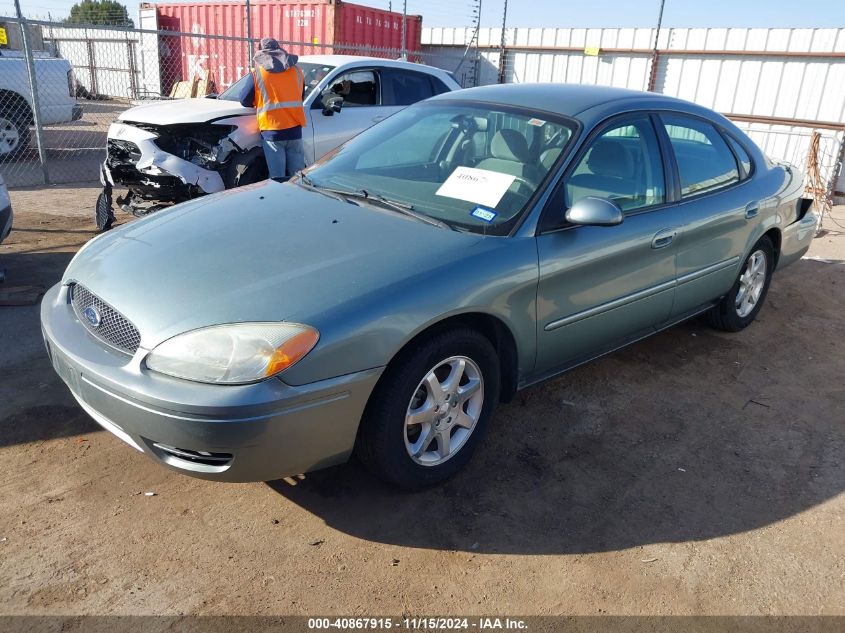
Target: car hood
184 111
265 252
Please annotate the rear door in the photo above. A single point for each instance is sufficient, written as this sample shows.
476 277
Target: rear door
601 287
363 106
714 213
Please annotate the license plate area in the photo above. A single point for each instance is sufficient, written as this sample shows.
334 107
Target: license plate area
64 369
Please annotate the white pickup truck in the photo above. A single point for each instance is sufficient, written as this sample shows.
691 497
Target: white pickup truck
56 98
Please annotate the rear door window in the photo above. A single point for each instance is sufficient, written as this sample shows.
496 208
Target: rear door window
705 162
405 87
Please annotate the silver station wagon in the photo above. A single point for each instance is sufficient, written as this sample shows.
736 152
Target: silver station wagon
387 298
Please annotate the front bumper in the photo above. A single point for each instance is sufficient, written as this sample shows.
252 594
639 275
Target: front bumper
5 222
155 174
256 432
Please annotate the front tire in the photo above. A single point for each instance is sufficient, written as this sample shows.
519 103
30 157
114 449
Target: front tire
430 410
14 133
246 168
740 306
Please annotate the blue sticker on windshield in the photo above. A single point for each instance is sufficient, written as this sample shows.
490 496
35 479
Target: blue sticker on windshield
483 214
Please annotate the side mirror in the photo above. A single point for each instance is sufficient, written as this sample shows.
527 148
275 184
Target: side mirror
332 104
595 211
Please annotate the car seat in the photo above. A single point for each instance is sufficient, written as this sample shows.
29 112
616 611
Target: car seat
613 174
510 155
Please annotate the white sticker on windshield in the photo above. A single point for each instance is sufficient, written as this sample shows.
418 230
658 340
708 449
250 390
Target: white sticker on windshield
476 185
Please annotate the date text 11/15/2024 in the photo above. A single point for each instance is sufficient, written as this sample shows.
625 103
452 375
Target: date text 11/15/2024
418 623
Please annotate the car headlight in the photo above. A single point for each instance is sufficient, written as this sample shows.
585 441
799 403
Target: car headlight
233 354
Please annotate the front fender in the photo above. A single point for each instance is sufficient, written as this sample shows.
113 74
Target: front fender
497 276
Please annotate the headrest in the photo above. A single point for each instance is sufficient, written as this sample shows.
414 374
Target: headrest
509 144
481 123
611 158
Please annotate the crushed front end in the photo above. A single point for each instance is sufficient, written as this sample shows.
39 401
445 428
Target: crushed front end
160 165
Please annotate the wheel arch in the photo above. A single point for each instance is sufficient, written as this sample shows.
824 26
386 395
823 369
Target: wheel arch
774 236
492 327
18 102
238 162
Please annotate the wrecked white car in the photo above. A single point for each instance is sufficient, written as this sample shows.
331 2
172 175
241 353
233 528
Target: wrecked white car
169 151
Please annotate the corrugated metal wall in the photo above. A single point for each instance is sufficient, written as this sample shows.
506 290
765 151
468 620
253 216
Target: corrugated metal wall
732 70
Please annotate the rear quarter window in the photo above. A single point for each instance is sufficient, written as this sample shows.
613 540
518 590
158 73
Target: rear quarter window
705 162
744 158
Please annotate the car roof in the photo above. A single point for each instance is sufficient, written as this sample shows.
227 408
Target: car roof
343 60
572 99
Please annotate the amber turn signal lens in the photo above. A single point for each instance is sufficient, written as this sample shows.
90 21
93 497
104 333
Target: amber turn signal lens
291 351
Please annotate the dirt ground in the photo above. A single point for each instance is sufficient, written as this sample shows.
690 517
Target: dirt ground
697 472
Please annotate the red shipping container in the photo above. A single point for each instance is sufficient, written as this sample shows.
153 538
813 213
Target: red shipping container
304 28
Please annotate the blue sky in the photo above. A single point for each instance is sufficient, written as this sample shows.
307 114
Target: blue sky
576 13
692 13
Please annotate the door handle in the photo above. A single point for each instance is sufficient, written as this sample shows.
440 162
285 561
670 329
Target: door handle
376 119
663 238
751 210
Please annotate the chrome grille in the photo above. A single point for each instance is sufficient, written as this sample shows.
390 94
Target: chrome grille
114 328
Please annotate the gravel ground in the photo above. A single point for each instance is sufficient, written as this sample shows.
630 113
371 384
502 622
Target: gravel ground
697 472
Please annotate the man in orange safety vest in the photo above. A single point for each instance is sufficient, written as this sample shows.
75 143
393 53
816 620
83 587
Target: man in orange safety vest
276 94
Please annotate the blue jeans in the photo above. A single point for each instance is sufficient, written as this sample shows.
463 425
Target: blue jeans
284 158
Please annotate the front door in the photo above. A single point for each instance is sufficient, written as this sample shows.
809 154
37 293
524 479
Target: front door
601 287
362 108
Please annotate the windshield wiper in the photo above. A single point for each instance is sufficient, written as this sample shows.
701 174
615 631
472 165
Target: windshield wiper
335 194
406 209
368 196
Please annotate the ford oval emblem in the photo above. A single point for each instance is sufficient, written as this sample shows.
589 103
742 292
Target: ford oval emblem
92 315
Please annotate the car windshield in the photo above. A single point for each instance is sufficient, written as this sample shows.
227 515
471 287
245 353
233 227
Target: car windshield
313 73
471 166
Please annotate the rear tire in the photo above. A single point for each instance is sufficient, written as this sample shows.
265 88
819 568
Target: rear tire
740 306
430 409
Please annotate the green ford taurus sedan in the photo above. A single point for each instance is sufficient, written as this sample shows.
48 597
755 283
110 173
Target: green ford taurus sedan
383 301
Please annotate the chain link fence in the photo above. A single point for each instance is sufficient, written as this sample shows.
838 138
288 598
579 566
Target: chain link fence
57 103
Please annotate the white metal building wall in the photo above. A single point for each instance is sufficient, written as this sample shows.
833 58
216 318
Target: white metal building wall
104 60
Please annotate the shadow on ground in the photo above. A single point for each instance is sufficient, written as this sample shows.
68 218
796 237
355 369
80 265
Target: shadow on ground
690 435
35 405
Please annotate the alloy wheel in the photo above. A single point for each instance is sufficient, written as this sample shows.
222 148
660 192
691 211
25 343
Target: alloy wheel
751 284
444 410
